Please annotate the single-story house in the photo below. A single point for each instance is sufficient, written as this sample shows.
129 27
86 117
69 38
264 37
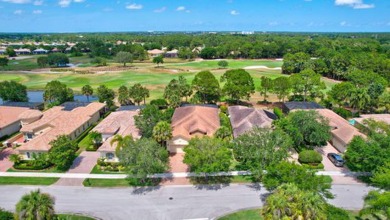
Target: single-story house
40 51
9 119
342 131
171 54
71 119
56 50
3 50
290 106
244 119
155 53
192 121
22 51
117 123
376 117
31 105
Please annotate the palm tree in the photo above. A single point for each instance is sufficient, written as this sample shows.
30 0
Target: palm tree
87 90
289 202
35 205
162 132
15 158
376 203
122 142
96 138
359 99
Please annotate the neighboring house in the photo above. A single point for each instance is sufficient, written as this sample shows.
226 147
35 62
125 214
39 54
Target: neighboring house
117 123
342 131
40 51
31 105
376 117
244 119
290 106
192 121
9 119
71 119
3 50
56 50
172 54
155 53
22 51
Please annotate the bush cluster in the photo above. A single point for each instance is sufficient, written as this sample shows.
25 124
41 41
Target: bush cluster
343 112
31 165
310 157
109 166
278 112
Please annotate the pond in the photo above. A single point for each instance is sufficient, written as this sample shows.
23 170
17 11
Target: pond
37 96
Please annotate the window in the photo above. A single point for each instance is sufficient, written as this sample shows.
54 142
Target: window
28 155
110 156
29 136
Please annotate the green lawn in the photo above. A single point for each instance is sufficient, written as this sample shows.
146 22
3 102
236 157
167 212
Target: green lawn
106 183
27 180
96 170
73 217
251 214
233 64
25 64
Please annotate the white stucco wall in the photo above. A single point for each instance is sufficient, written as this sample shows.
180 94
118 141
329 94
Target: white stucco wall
338 144
10 129
177 145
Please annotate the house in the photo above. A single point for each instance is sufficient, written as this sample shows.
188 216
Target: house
31 105
22 51
376 117
244 119
172 54
192 121
71 119
342 131
155 53
117 123
56 50
3 50
40 51
9 119
290 106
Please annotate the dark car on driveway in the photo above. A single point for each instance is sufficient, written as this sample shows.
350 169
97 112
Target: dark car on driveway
336 159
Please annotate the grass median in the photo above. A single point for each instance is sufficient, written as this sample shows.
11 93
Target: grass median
43 181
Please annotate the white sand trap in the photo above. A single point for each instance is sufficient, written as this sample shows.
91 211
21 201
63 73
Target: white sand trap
261 67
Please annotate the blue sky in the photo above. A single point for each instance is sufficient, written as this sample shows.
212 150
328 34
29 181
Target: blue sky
194 15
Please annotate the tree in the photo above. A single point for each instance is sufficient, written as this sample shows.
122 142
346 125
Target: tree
381 176
360 99
10 52
377 203
281 87
15 158
224 133
3 61
307 83
138 93
62 152
289 202
208 53
384 101
307 129
162 132
121 142
123 96
87 90
35 205
105 95
207 155
266 86
58 59
341 93
223 64
158 60
207 87
124 57
13 91
57 93
239 84
141 158
172 93
5 215
96 138
185 88
42 61
259 148
147 119
304 179
295 63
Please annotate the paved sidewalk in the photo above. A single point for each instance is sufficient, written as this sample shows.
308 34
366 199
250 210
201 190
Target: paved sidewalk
5 163
83 164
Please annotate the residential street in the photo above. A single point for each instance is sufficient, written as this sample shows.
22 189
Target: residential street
170 202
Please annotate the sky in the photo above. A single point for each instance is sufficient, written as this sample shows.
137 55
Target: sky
194 15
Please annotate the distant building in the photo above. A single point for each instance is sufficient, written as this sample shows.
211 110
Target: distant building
3 50
22 51
155 53
40 51
172 54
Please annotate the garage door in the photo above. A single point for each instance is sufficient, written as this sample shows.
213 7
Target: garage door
176 149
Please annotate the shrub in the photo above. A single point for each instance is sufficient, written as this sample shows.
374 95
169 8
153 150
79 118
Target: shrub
343 112
161 103
224 109
336 213
28 165
319 166
310 157
278 112
5 215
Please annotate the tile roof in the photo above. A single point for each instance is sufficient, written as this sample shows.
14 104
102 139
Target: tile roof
57 121
155 51
10 115
377 117
243 119
121 123
189 120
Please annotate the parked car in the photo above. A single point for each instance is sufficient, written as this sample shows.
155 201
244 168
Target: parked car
336 159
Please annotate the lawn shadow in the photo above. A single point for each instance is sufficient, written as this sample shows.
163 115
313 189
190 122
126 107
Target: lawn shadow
211 182
142 190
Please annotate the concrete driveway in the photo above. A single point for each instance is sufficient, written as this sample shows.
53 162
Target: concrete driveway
329 166
5 163
84 163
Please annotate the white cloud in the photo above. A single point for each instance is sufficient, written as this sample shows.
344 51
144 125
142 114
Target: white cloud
37 2
134 6
17 1
181 8
79 1
64 3
234 12
343 23
37 12
273 23
355 4
18 12
160 10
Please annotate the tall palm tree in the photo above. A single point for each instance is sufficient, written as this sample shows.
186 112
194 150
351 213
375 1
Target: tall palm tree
87 90
121 141
162 132
359 99
35 206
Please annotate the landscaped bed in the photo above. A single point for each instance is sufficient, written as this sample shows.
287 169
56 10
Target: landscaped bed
73 217
251 214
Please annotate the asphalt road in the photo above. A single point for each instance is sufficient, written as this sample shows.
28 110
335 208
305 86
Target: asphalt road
174 202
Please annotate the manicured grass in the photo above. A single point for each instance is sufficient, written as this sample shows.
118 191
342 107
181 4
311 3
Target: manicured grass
73 217
233 64
106 183
252 214
24 64
27 180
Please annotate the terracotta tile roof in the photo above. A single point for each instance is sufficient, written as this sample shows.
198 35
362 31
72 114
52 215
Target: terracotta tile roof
189 120
121 123
341 129
10 115
57 121
377 117
243 119
155 52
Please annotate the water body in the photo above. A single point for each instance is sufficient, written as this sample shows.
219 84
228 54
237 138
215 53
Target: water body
37 96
